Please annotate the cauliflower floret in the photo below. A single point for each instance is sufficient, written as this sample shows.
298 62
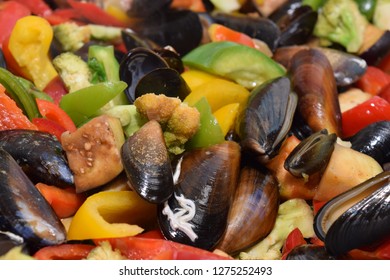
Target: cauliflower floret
105 252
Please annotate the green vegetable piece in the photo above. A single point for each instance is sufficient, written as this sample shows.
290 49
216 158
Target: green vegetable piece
33 90
367 8
71 36
209 132
105 33
314 4
82 104
19 93
242 64
340 21
105 68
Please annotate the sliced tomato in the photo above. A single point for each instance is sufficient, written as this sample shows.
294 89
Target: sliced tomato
64 252
65 202
49 126
294 239
373 80
10 12
373 110
56 89
138 248
53 112
95 14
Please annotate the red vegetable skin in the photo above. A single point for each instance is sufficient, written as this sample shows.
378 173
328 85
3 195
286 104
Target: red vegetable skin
53 112
64 252
373 80
385 93
56 89
12 65
49 126
10 12
373 110
384 64
37 7
294 239
220 32
138 248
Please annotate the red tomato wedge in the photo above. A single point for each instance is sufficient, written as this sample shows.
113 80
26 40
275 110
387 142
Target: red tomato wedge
138 248
11 116
64 252
373 110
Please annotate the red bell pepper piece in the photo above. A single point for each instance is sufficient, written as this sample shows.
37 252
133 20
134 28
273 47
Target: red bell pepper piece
95 14
138 248
373 110
373 80
49 126
56 89
384 64
64 252
10 12
37 7
380 252
65 202
220 32
59 16
294 239
55 113
385 93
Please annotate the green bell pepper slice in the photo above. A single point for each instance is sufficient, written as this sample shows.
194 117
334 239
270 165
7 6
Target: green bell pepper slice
87 102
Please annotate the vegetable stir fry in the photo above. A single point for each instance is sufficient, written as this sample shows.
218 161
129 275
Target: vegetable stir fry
195 129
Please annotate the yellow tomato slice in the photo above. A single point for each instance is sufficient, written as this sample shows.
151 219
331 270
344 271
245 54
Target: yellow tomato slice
226 117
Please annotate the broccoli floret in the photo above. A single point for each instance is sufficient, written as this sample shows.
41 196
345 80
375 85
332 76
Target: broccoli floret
340 21
71 36
179 121
294 213
74 71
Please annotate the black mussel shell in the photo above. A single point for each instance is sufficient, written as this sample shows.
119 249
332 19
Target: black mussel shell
39 154
147 164
180 29
356 218
286 9
133 40
253 212
145 8
172 58
309 252
378 50
256 27
196 214
311 155
163 81
23 210
8 241
374 140
137 63
267 118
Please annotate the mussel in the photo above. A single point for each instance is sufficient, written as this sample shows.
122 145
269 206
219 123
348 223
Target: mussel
196 214
8 241
23 210
374 140
39 154
253 212
309 252
267 118
356 218
313 80
145 8
146 162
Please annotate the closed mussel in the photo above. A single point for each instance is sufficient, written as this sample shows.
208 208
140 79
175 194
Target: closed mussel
39 154
23 210
267 118
356 218
196 214
253 212
146 162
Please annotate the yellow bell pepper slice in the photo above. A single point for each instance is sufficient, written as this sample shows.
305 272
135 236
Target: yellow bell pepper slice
109 214
195 78
29 44
219 92
226 117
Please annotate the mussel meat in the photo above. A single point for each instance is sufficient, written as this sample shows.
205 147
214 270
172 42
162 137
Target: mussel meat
267 118
146 162
356 218
196 214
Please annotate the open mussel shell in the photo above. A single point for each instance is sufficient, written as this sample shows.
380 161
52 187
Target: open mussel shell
373 140
256 27
267 118
253 212
133 40
147 165
23 210
196 214
171 57
356 218
137 63
311 155
309 252
163 81
313 80
181 29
